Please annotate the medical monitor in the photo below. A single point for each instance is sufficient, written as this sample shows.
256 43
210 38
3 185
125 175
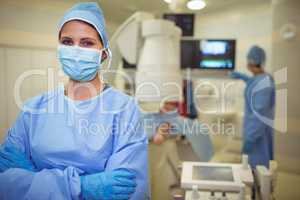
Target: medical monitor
208 54
211 176
216 54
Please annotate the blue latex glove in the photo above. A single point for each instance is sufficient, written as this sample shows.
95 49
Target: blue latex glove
248 147
115 185
10 157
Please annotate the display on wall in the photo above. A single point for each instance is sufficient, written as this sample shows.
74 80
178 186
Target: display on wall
208 54
184 21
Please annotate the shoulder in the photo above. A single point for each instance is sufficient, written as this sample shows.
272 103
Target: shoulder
269 80
113 92
263 80
39 103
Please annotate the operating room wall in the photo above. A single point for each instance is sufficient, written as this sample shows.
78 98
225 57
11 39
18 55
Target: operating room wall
286 57
33 23
3 118
18 63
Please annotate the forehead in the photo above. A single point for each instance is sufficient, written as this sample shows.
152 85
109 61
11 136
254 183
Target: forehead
79 28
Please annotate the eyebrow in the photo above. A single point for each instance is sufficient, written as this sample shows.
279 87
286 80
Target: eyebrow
87 38
66 37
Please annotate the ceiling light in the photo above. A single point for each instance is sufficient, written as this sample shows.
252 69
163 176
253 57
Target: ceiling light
196 4
168 1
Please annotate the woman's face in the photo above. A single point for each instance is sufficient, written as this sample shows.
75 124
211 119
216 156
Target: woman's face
78 33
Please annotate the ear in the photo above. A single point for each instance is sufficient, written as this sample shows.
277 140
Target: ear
104 56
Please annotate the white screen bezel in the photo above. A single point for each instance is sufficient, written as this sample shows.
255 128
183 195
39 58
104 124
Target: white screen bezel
187 181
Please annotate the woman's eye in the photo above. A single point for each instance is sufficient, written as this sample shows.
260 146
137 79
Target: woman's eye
67 42
87 44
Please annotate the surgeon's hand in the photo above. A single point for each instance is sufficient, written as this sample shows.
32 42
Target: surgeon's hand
10 157
162 133
115 185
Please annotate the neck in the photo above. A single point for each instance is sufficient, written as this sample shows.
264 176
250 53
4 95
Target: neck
84 90
258 72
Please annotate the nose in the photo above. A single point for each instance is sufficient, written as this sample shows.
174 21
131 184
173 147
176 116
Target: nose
76 43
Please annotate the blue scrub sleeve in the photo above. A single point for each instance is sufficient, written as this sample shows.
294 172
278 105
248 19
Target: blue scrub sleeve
17 135
19 184
48 184
130 149
260 103
238 75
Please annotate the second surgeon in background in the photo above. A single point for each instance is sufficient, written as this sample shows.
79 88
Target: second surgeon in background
259 110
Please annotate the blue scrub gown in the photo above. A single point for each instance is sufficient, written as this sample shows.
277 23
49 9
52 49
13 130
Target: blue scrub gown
258 119
196 132
66 138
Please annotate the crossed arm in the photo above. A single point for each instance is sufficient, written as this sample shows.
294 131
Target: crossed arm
20 179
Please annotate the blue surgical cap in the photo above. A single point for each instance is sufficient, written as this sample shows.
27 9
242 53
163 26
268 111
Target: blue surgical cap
256 55
90 13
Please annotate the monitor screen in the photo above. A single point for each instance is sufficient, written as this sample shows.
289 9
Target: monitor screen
184 21
208 54
216 54
210 173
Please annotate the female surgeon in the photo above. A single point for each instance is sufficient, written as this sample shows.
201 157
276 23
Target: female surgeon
82 141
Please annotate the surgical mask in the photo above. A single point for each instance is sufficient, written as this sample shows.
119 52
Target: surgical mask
80 64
